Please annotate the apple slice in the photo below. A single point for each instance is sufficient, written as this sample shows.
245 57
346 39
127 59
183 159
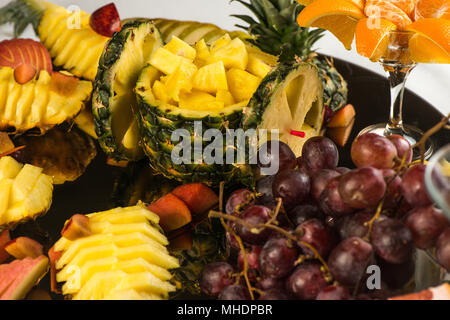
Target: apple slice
77 227
106 21
28 273
63 84
197 196
172 211
340 135
4 239
24 73
343 117
15 52
54 256
23 247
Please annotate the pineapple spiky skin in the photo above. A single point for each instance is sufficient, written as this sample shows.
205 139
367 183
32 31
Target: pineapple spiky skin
36 104
76 48
276 31
125 251
25 192
113 99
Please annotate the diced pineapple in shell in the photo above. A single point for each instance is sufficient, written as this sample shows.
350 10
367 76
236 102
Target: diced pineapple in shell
211 78
160 91
233 55
165 61
221 42
202 50
180 79
242 84
198 100
181 48
257 67
9 168
226 97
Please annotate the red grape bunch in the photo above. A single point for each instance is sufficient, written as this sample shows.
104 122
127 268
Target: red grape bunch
311 230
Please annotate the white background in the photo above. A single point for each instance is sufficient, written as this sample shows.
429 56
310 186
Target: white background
431 82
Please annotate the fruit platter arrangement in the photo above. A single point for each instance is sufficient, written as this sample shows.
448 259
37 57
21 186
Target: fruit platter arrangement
95 206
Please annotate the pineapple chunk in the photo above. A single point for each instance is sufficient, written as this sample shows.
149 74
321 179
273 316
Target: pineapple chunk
198 100
9 168
5 191
148 253
24 182
141 265
226 97
180 80
160 91
202 50
211 78
165 61
221 42
257 67
233 55
181 48
40 197
242 84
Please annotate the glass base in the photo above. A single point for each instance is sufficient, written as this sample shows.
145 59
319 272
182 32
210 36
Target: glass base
411 133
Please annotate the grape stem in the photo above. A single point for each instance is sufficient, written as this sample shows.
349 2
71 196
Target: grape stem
244 272
258 227
421 144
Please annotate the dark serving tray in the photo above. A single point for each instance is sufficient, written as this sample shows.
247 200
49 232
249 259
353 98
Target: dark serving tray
368 92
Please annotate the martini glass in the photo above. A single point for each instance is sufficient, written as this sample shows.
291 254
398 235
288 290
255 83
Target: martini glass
397 62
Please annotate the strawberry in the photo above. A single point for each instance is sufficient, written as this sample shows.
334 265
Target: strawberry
106 20
16 52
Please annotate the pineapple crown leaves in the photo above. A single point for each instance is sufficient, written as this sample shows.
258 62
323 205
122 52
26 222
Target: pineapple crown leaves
21 13
275 29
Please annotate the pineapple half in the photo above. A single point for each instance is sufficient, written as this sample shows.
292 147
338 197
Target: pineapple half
213 85
124 257
38 103
114 100
25 192
76 48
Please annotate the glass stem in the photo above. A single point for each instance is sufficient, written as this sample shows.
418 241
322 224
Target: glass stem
397 81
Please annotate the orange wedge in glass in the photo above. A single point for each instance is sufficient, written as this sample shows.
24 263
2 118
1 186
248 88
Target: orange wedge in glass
337 16
385 9
432 9
372 37
359 3
431 41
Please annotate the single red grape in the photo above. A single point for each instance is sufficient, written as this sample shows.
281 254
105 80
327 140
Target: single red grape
239 200
254 216
319 153
331 202
317 235
426 224
404 149
306 281
277 257
348 262
392 240
373 150
283 158
354 225
215 277
413 186
362 188
320 180
292 186
252 256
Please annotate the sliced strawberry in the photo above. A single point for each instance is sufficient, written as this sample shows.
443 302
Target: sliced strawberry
106 20
16 52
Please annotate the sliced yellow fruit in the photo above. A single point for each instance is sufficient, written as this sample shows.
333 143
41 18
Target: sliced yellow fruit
242 84
9 168
257 66
198 100
165 61
180 79
24 182
211 78
181 48
233 55
226 97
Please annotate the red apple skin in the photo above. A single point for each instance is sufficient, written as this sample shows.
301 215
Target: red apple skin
106 21
77 227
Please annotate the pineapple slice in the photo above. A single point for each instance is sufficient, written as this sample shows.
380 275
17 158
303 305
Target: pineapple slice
198 100
165 61
25 192
180 79
242 84
211 78
257 66
234 55
181 48
124 253
226 97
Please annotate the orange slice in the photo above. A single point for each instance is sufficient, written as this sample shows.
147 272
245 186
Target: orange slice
337 16
372 42
384 9
432 9
431 43
407 6
359 3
